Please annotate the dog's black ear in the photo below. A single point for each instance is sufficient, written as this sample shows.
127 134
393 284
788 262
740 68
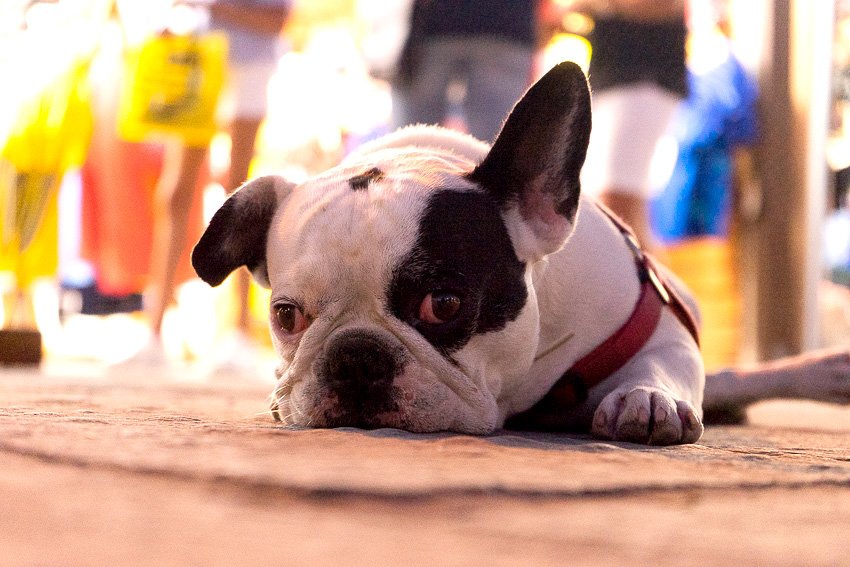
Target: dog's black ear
533 168
237 233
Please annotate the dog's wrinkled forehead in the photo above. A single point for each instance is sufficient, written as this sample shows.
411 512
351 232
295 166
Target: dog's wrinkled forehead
405 169
390 185
390 182
360 218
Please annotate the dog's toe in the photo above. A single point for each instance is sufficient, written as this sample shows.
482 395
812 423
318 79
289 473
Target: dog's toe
606 416
692 426
646 415
635 421
666 423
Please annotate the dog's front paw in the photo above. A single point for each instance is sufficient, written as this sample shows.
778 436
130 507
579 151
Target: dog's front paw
646 415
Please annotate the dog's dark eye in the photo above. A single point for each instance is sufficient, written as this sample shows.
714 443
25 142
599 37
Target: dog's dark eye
439 307
289 318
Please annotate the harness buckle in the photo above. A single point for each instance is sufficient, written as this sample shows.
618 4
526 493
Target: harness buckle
646 273
659 287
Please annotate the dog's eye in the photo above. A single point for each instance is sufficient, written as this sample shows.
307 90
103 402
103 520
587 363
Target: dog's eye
439 307
289 318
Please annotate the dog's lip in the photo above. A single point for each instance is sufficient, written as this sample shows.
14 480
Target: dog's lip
331 412
298 387
304 407
376 421
275 410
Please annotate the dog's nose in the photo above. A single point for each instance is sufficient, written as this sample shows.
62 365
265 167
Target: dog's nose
360 362
358 368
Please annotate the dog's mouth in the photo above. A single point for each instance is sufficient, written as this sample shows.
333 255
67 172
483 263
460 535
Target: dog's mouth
329 408
366 413
353 384
367 378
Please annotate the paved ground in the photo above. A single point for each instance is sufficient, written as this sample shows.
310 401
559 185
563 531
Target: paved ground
105 469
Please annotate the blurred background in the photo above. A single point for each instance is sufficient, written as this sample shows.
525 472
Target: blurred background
749 182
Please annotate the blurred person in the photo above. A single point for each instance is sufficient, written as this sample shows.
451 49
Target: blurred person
712 133
713 129
253 28
638 77
486 45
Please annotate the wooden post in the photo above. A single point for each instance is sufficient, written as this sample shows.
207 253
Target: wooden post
781 264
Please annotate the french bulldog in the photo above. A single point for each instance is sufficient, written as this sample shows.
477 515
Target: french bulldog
431 282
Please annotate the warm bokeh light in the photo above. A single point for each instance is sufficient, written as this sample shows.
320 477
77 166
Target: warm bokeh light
566 47
328 95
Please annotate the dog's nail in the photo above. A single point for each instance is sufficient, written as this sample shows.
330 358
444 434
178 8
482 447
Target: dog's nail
601 419
643 414
661 415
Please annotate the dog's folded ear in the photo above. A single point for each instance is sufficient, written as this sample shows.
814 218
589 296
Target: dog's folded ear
533 168
237 233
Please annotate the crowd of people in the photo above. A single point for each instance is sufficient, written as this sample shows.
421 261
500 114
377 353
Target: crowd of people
464 63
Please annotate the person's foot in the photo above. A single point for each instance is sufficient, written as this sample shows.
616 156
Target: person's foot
237 355
151 354
151 362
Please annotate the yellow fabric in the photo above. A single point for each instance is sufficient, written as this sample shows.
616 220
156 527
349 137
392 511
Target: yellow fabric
51 134
172 85
40 259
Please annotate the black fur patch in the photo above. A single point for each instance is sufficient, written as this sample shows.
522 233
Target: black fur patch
362 181
236 235
463 247
544 139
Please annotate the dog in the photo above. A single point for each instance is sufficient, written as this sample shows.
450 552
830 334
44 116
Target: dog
432 282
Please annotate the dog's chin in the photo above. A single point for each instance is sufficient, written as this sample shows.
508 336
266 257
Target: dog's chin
400 409
333 415
334 410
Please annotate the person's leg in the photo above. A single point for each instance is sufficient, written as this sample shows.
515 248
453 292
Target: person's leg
175 192
424 100
628 122
499 73
249 82
632 209
243 135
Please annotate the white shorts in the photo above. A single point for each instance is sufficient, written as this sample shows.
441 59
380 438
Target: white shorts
246 94
628 123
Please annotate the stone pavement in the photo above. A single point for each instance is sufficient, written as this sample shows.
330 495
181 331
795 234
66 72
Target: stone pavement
111 469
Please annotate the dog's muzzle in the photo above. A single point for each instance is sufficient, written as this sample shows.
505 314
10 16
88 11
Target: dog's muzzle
357 372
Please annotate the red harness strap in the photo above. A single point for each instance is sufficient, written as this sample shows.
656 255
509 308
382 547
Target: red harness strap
600 363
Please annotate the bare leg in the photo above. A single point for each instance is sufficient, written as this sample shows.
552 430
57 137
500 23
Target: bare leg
174 199
237 352
631 208
822 375
243 134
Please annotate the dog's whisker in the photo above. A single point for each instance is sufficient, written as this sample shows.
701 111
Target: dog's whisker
275 395
287 419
